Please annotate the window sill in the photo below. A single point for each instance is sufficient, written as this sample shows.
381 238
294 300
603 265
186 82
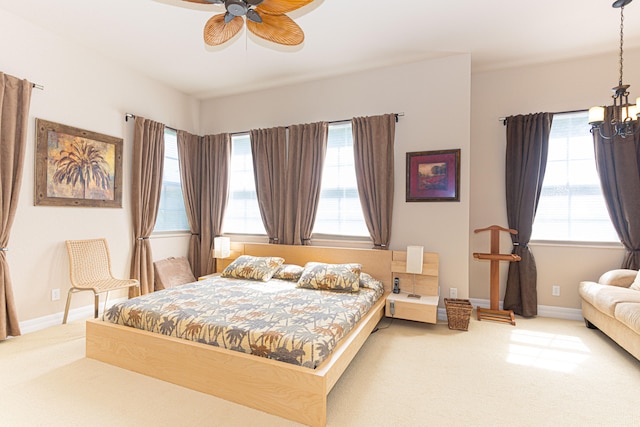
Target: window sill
577 244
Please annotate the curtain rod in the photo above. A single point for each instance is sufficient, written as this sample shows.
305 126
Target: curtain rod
128 116
37 86
504 119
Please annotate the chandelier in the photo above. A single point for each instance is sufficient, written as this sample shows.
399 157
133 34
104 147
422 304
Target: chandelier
624 114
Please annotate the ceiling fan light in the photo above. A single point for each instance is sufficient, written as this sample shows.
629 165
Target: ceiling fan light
236 7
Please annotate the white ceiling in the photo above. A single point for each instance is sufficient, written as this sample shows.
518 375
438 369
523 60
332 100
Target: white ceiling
163 38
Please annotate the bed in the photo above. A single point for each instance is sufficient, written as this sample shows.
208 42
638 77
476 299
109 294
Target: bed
292 391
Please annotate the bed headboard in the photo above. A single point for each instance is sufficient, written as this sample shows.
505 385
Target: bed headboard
384 265
375 262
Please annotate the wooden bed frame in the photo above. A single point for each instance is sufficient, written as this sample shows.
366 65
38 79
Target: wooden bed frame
282 389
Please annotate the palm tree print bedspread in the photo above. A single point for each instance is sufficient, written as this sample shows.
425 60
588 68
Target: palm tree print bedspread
273 319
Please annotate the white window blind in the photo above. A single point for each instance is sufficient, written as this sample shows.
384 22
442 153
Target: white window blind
571 206
339 210
242 215
171 212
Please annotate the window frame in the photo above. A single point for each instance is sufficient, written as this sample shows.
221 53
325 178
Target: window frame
574 243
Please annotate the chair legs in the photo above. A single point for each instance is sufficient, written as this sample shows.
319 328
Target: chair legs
96 303
66 308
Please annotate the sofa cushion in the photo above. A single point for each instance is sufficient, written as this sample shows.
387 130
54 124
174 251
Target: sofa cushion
605 297
636 283
629 314
621 277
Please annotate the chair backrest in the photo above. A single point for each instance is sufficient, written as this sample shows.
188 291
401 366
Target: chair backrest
89 261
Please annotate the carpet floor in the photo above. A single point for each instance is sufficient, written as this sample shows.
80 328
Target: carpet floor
542 372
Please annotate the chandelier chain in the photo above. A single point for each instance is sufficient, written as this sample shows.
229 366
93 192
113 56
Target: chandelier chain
621 40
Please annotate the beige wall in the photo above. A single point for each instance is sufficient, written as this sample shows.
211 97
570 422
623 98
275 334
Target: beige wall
88 92
564 86
434 95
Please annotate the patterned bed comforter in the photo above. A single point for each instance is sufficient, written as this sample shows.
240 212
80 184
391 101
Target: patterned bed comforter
270 319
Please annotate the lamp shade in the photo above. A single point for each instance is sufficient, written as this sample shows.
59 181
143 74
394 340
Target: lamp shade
221 247
414 259
596 115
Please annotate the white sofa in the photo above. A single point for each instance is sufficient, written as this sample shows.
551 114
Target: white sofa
613 306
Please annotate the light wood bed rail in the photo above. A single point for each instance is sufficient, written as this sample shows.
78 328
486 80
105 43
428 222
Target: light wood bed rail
282 389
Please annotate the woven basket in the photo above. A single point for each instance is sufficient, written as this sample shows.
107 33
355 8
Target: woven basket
458 313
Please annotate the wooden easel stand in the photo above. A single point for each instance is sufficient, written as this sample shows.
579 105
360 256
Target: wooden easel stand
494 313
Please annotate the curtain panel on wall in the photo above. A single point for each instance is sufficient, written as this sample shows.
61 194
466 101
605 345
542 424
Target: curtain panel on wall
216 158
189 156
306 152
146 184
15 99
373 140
526 162
618 165
269 152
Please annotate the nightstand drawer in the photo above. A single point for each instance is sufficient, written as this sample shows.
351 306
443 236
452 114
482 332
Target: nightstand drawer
424 309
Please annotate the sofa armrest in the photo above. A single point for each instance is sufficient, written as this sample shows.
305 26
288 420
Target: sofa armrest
620 277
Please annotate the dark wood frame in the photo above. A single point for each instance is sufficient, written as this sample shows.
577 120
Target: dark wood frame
452 178
41 197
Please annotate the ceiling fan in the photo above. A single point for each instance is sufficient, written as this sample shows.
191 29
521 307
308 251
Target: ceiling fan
265 18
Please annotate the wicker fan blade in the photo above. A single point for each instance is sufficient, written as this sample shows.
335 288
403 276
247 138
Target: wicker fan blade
278 29
279 7
217 32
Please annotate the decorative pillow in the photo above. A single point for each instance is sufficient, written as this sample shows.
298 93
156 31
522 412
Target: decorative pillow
288 272
366 281
253 268
335 277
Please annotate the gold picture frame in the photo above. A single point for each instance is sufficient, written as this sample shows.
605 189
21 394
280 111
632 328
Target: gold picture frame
76 167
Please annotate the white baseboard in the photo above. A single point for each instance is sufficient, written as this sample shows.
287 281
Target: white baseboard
543 310
44 322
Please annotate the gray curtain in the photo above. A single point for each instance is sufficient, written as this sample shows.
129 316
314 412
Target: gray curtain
618 164
189 156
526 161
373 139
146 184
305 160
269 152
15 99
215 158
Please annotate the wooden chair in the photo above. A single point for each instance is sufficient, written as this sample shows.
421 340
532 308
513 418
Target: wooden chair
90 270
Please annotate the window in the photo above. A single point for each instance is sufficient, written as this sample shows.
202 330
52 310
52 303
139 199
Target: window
571 206
339 210
242 215
171 212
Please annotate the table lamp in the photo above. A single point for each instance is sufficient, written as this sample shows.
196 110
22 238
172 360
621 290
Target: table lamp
414 265
221 248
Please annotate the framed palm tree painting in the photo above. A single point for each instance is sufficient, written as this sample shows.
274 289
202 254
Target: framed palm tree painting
76 167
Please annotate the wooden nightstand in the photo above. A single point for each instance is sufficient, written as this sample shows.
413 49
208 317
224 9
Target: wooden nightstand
425 308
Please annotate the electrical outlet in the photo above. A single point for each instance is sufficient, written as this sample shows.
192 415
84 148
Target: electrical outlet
55 294
555 290
453 292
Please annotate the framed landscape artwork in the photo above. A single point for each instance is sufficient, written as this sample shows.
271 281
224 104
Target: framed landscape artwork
433 176
76 167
